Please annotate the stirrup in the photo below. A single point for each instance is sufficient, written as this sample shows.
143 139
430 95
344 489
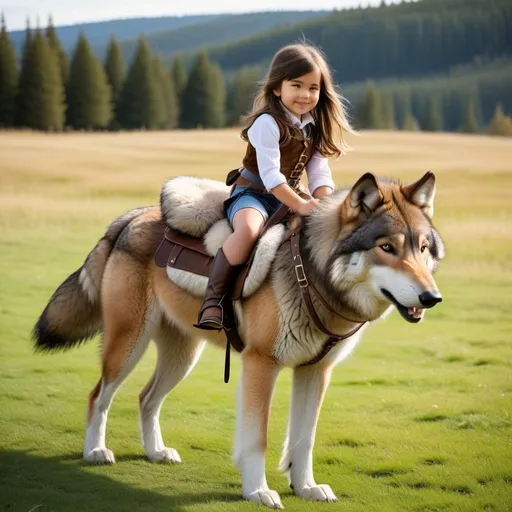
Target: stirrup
211 323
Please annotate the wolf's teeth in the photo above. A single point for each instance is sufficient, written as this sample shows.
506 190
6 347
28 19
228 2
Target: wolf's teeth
414 312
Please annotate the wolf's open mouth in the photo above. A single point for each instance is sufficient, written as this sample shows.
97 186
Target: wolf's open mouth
412 314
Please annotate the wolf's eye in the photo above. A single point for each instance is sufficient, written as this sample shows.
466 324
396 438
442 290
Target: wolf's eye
387 248
423 248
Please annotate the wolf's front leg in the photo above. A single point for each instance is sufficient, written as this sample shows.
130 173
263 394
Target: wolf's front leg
309 386
259 373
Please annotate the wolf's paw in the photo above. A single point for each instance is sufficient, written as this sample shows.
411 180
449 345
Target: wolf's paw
100 456
268 498
169 455
316 493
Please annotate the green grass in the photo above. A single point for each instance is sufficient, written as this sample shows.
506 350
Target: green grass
419 418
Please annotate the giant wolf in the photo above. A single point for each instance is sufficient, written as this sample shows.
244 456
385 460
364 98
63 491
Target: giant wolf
364 250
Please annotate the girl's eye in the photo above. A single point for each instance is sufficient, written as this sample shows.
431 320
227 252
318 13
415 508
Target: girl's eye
296 85
387 248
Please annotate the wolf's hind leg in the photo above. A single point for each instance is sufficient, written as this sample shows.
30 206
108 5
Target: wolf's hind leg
129 318
309 386
177 355
101 398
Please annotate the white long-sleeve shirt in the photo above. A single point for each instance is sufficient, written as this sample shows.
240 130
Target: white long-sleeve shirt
264 135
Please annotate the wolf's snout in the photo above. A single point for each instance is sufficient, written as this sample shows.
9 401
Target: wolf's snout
430 298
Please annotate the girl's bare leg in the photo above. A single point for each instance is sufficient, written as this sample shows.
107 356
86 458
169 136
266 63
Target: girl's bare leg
247 226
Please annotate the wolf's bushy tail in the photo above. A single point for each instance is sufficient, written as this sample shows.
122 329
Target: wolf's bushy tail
73 314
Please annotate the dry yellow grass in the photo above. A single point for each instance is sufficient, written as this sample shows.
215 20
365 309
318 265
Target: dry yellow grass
61 178
144 158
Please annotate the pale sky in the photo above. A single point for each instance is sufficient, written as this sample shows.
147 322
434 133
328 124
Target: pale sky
67 12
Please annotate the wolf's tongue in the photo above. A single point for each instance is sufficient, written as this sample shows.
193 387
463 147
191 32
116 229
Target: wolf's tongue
415 312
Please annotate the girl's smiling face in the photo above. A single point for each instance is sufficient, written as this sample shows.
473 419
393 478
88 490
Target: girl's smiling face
301 94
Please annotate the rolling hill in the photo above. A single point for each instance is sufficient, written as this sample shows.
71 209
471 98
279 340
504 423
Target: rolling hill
169 35
225 29
99 33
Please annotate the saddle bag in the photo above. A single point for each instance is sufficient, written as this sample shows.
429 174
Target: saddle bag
184 252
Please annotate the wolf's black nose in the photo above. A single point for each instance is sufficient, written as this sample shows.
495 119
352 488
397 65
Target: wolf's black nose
430 299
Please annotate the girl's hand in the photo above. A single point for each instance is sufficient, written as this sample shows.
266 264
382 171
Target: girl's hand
290 198
307 207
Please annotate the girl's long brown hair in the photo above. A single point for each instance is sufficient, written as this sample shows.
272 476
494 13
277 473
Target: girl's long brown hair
331 120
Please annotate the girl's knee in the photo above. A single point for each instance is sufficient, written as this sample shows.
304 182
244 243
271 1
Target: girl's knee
248 227
247 233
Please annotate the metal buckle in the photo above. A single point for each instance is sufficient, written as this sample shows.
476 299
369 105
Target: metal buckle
299 272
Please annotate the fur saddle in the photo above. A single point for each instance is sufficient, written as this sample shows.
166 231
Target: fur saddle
193 212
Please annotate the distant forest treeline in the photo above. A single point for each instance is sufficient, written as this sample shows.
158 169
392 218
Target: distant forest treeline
407 39
433 65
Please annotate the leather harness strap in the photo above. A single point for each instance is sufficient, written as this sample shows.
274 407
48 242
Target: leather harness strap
305 285
241 180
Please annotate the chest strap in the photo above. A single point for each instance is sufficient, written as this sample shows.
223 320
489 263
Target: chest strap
305 287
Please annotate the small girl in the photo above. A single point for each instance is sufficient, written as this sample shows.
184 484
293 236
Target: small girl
297 121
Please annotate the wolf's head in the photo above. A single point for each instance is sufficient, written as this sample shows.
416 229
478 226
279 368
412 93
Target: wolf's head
375 245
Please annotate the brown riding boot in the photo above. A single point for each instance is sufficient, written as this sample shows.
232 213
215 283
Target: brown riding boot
222 278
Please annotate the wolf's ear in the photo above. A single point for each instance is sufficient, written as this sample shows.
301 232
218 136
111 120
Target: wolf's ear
365 194
422 192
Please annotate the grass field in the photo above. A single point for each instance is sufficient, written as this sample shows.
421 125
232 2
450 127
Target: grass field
418 419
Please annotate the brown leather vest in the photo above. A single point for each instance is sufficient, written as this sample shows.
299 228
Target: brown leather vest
295 154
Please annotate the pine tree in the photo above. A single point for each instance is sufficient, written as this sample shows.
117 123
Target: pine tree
51 35
216 104
388 113
204 98
179 77
88 91
168 96
140 102
402 105
370 111
8 79
434 120
469 122
410 123
500 123
22 108
43 94
242 94
115 71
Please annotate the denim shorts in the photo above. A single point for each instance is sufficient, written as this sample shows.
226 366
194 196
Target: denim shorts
243 197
